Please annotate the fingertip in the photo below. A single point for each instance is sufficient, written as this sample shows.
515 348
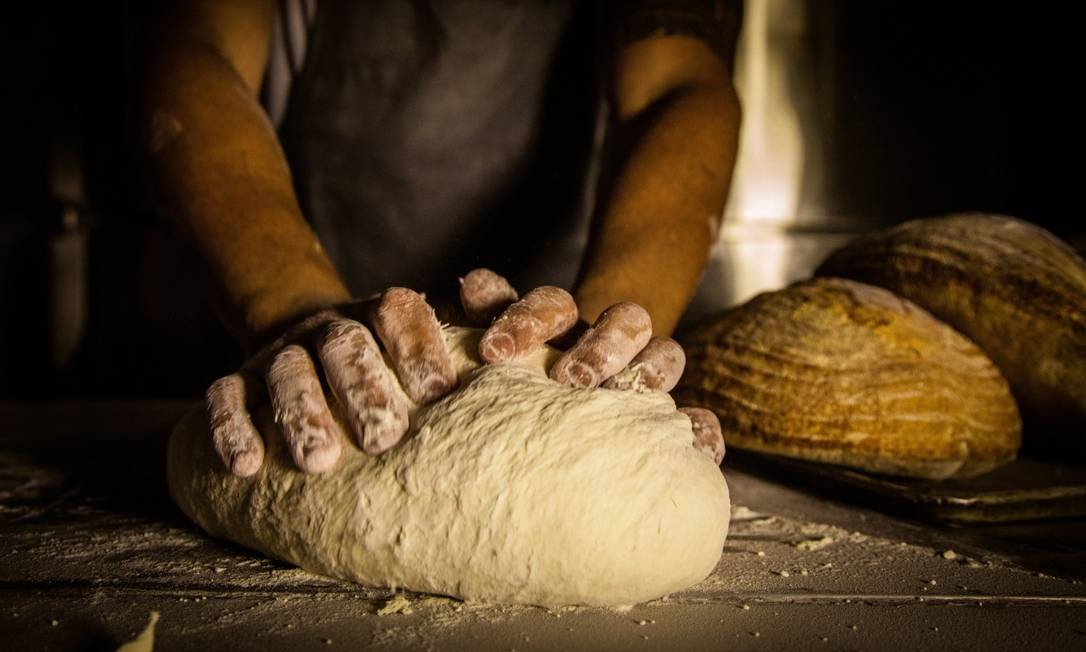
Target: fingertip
669 349
379 428
236 441
708 435
575 374
438 387
379 440
630 313
497 346
569 370
561 302
244 464
424 382
662 362
398 296
711 448
318 457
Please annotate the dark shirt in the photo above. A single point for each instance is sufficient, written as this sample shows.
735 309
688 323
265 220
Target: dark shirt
428 138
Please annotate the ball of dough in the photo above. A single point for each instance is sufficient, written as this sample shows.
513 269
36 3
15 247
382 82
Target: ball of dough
512 489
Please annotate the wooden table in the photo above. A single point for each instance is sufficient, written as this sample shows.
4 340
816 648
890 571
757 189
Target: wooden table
90 544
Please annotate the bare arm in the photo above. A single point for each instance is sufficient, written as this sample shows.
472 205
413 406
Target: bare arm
677 110
222 177
219 171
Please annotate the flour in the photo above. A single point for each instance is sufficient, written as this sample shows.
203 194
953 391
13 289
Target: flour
512 489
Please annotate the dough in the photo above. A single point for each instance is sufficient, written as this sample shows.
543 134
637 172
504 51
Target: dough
511 489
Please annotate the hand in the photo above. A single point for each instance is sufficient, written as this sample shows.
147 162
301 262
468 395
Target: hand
617 352
355 372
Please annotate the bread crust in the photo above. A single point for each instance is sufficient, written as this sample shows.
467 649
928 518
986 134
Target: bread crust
837 371
1010 286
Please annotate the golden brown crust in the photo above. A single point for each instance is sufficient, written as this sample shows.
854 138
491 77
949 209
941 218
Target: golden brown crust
841 372
1012 287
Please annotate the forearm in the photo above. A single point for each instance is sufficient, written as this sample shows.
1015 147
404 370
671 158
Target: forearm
221 176
658 222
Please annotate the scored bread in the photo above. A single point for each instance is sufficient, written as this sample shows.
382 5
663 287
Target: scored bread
1012 287
841 372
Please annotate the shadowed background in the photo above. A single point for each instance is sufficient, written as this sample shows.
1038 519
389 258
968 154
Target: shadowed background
857 115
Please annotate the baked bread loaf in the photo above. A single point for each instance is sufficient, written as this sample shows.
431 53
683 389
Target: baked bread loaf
837 371
1012 287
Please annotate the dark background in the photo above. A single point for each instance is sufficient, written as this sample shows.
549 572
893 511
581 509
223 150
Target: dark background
936 107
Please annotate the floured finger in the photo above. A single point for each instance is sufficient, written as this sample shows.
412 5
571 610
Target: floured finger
411 333
363 385
708 437
484 295
620 333
658 366
236 440
301 411
543 314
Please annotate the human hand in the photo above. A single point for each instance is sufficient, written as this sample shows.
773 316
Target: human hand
355 371
617 352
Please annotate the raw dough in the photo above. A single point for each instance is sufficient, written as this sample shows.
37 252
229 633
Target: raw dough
512 489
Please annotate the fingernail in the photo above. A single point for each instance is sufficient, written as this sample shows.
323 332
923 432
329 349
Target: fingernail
497 347
581 375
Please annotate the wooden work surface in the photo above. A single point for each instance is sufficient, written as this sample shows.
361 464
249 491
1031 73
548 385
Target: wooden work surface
90 544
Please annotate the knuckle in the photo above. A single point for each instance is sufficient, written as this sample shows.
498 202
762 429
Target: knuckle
481 277
341 332
288 361
631 315
397 297
220 390
292 353
557 294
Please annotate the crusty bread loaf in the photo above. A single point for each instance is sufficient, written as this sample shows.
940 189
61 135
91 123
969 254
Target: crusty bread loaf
841 372
1012 287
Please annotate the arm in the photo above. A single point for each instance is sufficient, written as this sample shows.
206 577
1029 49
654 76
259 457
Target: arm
219 171
678 117
222 178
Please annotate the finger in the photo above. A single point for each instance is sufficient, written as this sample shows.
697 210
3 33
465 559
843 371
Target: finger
543 314
233 434
363 385
707 435
301 411
658 366
485 295
412 335
617 336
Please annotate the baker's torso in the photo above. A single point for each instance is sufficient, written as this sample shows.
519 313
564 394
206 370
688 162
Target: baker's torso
429 138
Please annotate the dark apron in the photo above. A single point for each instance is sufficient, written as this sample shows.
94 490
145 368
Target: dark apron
429 138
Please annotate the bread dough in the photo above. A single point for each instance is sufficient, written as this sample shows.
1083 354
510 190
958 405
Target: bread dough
512 489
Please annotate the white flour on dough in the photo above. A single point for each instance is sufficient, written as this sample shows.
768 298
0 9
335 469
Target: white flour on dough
511 489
